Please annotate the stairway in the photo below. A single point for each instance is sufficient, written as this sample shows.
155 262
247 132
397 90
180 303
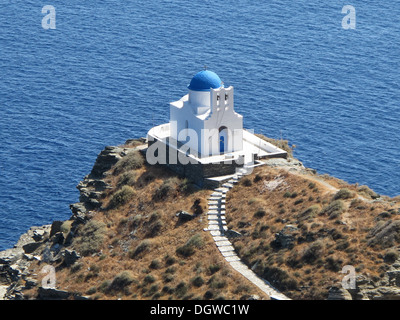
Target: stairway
219 231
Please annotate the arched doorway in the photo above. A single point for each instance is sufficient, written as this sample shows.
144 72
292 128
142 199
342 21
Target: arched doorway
223 139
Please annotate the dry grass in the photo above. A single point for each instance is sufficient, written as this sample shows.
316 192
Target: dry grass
334 229
139 249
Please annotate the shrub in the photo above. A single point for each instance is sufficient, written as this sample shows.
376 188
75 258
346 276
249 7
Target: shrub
190 246
260 213
213 268
391 256
197 281
344 194
127 178
216 283
166 188
121 197
333 209
298 201
181 289
169 260
247 182
313 252
312 185
140 250
155 228
309 213
120 282
280 278
333 264
368 192
155 264
93 234
149 279
133 160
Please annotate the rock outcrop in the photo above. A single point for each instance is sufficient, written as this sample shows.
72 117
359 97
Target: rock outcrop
51 243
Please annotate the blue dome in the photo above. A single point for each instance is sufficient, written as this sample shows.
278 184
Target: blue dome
204 80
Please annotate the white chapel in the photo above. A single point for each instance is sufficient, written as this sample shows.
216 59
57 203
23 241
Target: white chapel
207 133
208 110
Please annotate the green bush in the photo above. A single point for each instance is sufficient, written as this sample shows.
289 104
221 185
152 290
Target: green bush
216 282
93 235
166 188
133 160
213 268
127 178
334 209
181 289
149 279
247 182
313 252
391 256
197 281
365 190
189 248
309 213
140 250
121 197
260 213
344 194
120 282
155 264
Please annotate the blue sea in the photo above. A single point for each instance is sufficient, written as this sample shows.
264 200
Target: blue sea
109 69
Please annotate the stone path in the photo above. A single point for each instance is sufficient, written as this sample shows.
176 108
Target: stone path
218 229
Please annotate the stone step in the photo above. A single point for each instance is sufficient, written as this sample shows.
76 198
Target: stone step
213 227
216 207
226 248
213 202
216 194
223 243
216 233
229 254
222 190
228 185
216 221
216 217
220 238
214 198
232 258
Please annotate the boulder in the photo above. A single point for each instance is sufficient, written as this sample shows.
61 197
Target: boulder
70 257
286 237
55 227
31 247
184 216
232 234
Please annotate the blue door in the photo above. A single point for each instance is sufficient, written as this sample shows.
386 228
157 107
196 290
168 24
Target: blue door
222 144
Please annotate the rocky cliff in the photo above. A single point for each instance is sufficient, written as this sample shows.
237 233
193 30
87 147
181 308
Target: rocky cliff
55 244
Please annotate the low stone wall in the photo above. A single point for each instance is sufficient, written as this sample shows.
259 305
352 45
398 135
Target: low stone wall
194 170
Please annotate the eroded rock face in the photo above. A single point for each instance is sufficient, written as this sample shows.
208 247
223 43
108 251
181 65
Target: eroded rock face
337 293
50 243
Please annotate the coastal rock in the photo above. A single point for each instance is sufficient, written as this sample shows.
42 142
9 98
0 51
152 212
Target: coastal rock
31 247
55 294
70 257
336 293
105 160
